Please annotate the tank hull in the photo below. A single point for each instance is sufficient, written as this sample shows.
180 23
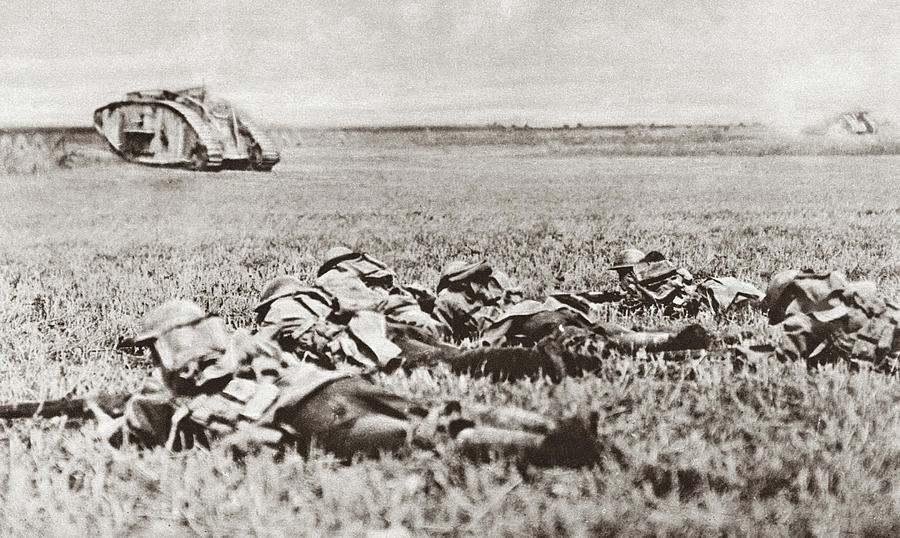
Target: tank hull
184 130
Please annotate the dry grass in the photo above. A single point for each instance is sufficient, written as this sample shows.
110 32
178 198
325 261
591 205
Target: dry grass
714 446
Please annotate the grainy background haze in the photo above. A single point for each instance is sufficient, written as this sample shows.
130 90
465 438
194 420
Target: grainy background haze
322 63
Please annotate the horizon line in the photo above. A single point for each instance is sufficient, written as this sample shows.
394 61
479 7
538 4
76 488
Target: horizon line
399 127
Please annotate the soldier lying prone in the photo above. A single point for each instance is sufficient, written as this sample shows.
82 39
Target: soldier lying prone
243 390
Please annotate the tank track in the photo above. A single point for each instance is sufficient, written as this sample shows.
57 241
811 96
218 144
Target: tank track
214 149
269 156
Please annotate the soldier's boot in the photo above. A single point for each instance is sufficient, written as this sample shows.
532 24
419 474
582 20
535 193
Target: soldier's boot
574 443
687 482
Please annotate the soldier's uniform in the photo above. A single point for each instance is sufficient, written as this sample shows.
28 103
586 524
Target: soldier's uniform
488 315
373 272
356 314
303 321
341 262
528 321
569 350
560 336
724 293
471 296
653 280
360 282
825 318
244 390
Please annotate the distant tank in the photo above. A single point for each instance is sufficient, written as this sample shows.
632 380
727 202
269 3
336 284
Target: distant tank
184 129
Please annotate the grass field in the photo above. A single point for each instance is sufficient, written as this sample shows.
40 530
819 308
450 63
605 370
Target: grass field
713 446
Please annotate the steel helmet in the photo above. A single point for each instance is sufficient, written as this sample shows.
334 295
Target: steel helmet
776 287
775 292
627 258
459 271
181 331
282 286
334 256
172 313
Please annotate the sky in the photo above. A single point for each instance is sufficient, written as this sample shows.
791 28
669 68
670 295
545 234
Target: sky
339 63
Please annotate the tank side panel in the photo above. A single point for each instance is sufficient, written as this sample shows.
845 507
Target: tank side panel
221 128
175 131
189 139
183 137
168 142
113 125
159 132
204 136
169 138
159 145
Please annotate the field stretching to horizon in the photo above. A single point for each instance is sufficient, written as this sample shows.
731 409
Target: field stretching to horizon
713 445
35 150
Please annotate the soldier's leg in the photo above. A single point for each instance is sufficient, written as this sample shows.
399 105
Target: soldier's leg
480 441
366 434
691 337
569 443
418 352
575 350
532 438
511 418
501 363
350 416
566 351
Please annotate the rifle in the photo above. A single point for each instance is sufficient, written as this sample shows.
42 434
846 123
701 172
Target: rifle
113 404
580 301
603 296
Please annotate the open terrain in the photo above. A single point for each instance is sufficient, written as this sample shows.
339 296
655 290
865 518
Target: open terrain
713 445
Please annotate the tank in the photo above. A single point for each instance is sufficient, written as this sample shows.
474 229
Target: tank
184 129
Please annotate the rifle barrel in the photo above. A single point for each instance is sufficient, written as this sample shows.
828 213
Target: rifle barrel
70 407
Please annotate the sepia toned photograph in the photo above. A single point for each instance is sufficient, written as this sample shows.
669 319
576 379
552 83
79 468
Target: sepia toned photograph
475 268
